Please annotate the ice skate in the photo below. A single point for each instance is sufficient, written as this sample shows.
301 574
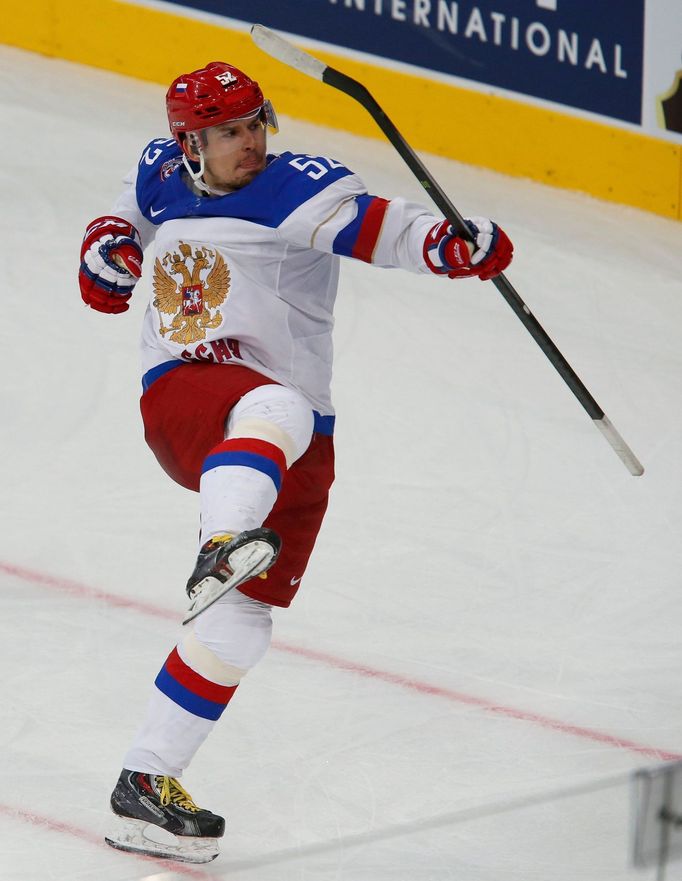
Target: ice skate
156 817
225 562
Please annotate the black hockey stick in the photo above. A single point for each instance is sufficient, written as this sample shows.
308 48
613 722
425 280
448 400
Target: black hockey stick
283 51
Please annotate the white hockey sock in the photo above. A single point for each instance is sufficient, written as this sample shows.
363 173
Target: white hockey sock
239 485
266 432
197 682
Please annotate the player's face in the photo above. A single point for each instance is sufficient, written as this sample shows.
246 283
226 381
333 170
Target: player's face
234 153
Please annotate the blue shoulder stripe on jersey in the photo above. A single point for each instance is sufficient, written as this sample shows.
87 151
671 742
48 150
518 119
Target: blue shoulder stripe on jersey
288 181
159 181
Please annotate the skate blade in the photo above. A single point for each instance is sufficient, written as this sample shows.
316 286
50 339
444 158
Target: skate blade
138 836
246 562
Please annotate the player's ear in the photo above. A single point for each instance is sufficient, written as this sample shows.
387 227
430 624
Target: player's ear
191 146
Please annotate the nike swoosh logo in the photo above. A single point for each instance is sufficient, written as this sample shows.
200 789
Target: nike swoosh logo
156 213
295 580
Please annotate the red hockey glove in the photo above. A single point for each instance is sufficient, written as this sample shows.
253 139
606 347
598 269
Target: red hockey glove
446 253
111 264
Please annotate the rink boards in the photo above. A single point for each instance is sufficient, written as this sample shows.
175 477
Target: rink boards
616 157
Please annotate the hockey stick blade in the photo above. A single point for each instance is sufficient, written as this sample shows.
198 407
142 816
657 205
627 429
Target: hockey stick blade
277 47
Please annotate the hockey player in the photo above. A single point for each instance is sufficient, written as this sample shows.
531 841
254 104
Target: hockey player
236 354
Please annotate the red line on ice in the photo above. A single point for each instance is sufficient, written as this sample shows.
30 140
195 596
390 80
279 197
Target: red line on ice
83 591
52 825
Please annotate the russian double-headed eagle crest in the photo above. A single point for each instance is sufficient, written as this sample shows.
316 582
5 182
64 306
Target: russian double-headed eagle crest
188 283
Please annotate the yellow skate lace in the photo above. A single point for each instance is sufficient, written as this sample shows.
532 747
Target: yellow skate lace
170 792
221 539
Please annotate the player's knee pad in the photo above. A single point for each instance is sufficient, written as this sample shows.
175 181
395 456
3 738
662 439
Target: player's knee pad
229 638
275 414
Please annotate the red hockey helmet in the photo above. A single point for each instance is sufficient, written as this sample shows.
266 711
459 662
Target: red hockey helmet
212 95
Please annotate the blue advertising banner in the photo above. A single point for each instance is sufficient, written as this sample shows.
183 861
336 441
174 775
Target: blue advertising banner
585 54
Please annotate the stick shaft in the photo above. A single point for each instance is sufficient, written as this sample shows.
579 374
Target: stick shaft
359 92
279 48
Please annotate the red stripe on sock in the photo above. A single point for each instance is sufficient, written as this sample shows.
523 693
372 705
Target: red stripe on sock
253 445
364 246
195 682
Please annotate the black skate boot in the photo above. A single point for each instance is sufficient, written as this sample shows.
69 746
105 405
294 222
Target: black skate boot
225 562
156 817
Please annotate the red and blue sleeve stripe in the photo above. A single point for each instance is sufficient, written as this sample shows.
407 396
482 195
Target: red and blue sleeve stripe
360 237
190 690
250 453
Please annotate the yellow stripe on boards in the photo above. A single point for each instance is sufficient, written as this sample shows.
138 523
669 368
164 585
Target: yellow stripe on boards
508 136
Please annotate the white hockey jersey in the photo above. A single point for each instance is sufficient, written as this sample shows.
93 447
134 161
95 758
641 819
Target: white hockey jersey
251 277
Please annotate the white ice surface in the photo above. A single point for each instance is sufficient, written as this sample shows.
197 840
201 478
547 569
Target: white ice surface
493 615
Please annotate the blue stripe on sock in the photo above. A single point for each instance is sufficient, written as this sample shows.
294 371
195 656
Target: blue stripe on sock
248 460
183 697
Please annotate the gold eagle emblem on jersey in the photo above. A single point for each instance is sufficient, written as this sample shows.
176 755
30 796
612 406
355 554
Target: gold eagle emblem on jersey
188 283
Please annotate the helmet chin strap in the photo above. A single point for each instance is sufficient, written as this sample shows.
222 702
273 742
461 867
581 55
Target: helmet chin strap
195 175
198 176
